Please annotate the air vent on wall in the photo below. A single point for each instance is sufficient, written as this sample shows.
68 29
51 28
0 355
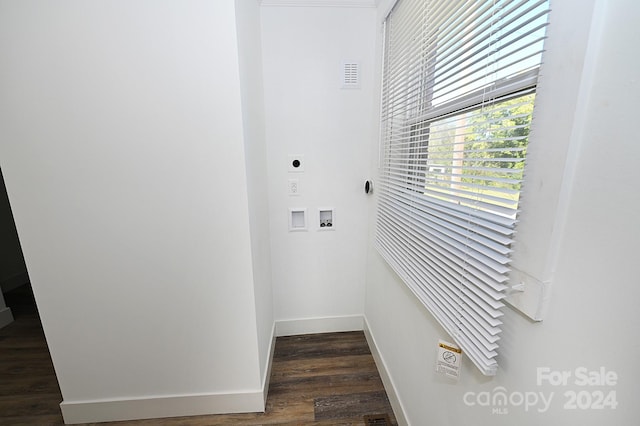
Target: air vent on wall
350 75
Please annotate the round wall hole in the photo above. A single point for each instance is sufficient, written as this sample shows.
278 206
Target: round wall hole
296 163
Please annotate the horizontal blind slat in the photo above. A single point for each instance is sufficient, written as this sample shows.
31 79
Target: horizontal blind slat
458 90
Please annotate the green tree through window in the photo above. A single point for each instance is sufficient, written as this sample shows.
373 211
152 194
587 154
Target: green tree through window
477 156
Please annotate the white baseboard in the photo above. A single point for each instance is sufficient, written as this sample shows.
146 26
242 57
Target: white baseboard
267 370
6 317
398 409
319 325
151 408
246 402
173 406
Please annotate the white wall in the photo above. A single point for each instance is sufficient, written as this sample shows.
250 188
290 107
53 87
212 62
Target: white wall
591 320
318 274
252 91
133 153
122 149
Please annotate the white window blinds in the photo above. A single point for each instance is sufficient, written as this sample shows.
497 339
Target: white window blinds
458 91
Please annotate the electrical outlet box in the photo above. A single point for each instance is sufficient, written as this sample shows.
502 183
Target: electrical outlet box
293 187
297 219
326 219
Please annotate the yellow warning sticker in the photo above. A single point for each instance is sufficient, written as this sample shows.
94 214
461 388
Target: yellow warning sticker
449 348
448 360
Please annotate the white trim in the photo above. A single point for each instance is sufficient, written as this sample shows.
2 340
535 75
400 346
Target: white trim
160 407
267 370
171 406
319 325
6 317
533 296
387 381
534 300
305 219
246 402
496 90
318 3
385 14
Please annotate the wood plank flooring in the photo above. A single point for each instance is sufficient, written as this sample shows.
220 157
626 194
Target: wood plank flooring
317 379
29 392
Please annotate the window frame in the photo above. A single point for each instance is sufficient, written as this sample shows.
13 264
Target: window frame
502 89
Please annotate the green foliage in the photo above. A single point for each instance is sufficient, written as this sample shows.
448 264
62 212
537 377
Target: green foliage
501 132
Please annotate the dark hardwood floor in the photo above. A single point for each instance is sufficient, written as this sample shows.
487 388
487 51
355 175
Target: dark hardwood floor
29 391
316 379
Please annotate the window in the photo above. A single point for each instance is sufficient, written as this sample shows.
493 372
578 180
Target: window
457 103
